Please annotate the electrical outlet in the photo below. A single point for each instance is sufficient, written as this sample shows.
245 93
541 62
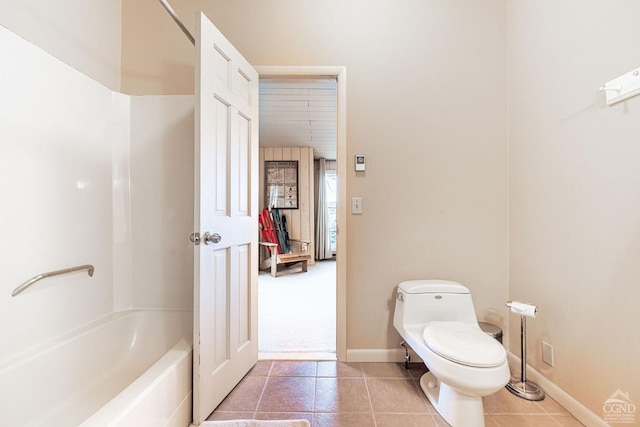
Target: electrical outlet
547 353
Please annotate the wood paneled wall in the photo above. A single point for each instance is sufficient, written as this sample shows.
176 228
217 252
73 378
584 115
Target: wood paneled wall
300 221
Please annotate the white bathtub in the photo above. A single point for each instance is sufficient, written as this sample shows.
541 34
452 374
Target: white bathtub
129 369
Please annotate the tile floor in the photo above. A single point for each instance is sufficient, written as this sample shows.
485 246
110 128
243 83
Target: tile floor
335 394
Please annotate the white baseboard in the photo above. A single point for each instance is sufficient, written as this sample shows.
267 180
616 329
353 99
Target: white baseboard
381 355
575 408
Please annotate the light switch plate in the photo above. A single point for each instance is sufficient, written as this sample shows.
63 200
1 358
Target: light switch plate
356 205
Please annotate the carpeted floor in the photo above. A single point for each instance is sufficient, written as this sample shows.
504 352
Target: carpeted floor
297 314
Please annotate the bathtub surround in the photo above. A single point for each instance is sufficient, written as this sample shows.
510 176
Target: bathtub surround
162 201
56 172
125 366
90 176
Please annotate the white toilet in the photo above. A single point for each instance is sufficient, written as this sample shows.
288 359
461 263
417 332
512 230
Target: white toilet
437 320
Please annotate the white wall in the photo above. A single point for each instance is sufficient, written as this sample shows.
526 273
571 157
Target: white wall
84 34
55 192
575 192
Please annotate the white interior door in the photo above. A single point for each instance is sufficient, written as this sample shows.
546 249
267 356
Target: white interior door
226 218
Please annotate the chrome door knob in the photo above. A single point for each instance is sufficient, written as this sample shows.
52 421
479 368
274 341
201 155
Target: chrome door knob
211 238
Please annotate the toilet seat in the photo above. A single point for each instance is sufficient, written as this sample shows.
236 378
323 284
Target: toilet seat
464 344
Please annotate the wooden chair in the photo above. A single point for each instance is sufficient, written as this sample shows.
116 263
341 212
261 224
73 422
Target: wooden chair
275 237
276 259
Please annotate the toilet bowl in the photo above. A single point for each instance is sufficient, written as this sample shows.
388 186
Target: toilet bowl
436 318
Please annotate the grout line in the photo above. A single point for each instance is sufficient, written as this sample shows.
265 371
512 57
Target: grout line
366 386
264 387
315 391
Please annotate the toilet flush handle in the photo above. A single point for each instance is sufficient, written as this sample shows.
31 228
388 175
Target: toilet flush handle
400 296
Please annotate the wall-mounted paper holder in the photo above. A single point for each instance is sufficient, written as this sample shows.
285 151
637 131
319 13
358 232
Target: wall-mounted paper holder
623 87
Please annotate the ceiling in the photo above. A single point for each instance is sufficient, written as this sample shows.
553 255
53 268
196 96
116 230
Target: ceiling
299 112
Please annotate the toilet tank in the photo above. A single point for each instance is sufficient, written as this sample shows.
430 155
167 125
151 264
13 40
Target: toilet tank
419 302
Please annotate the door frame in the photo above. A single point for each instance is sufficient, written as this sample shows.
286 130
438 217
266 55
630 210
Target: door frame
340 74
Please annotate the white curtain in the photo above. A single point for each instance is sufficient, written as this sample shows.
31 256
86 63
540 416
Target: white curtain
323 242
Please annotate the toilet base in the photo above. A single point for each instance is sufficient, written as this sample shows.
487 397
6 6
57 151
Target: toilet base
458 409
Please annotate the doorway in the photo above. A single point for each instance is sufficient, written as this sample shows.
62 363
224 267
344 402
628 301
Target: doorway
302 315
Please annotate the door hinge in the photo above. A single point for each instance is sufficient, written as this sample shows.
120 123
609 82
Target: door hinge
195 238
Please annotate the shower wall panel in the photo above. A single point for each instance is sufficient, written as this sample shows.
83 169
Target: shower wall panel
56 189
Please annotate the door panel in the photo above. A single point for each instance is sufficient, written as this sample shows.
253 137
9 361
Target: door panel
226 184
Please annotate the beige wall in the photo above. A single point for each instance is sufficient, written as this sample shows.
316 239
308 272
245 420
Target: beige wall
426 104
575 192
84 34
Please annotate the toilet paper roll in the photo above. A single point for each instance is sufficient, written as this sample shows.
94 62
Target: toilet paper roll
523 309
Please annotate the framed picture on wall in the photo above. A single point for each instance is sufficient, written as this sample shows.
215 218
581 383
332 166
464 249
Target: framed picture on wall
281 184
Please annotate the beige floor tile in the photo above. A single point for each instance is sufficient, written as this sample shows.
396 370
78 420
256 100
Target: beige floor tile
341 395
525 421
285 416
567 420
489 421
550 406
245 396
288 394
343 420
294 368
261 368
222 416
395 395
430 407
440 422
335 394
504 402
385 370
405 420
339 369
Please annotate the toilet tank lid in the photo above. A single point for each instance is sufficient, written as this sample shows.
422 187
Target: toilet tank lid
432 286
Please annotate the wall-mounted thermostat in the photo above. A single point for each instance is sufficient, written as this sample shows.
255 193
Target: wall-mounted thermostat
359 162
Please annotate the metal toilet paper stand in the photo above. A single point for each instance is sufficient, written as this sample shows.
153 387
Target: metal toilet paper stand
522 387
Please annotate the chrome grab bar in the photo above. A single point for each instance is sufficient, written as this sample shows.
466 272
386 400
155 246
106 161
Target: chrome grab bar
34 279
